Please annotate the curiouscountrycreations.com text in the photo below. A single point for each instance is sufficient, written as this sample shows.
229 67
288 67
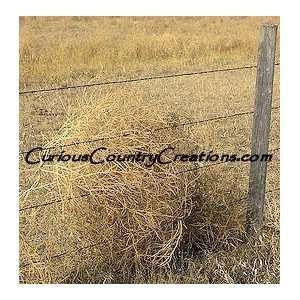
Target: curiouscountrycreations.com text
165 156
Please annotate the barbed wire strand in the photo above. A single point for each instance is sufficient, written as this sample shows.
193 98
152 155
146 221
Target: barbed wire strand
138 79
55 114
52 202
97 243
61 254
150 130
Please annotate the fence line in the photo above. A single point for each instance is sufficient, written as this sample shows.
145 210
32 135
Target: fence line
152 130
97 243
262 70
88 194
138 79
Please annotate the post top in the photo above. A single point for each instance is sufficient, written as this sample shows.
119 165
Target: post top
269 25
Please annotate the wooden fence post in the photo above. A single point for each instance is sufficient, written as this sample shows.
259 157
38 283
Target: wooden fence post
261 125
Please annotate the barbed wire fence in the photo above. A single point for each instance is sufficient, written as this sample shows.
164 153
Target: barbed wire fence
257 112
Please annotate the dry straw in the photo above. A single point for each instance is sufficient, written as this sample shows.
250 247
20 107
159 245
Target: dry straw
134 213
138 219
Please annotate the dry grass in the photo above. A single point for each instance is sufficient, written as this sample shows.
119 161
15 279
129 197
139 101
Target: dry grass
149 224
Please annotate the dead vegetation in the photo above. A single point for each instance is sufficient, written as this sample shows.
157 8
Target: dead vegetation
137 224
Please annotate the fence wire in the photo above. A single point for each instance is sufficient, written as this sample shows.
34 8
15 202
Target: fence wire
151 130
138 79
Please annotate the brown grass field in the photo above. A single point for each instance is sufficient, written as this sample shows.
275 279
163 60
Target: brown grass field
137 224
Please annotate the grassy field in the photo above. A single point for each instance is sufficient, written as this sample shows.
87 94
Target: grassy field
150 226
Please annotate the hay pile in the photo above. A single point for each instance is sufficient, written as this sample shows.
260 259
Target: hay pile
133 215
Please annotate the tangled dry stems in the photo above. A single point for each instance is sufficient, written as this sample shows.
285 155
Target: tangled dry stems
139 224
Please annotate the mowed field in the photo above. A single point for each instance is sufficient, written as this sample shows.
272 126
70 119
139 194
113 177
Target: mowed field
196 233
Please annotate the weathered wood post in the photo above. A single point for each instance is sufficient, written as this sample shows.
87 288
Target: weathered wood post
261 125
